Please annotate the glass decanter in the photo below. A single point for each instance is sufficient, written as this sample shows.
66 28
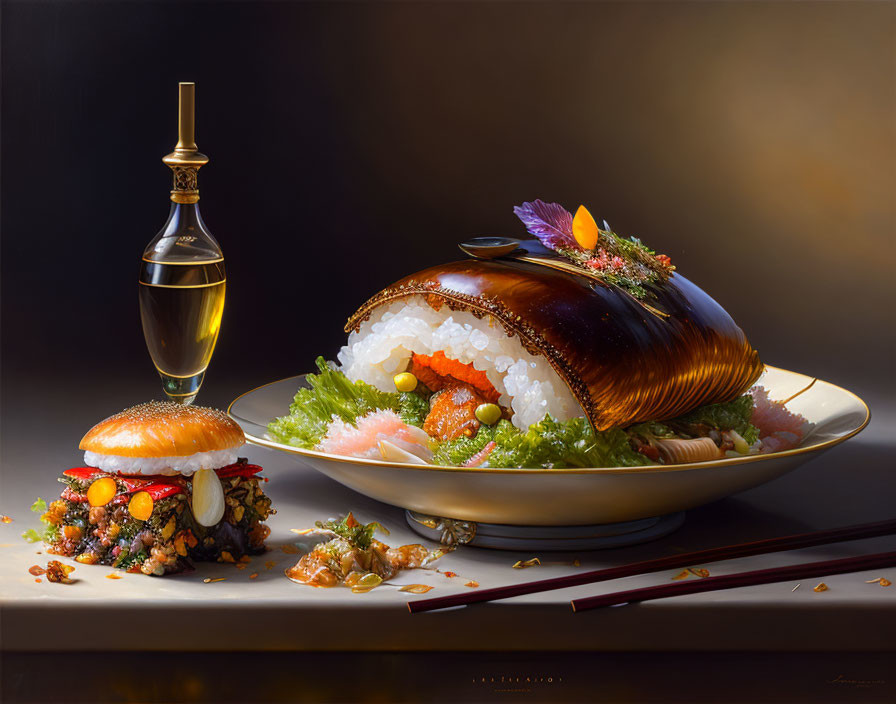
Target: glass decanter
182 281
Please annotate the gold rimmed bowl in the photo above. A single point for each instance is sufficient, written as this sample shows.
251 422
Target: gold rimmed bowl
567 497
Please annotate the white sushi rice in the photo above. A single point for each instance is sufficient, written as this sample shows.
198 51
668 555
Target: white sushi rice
383 345
186 465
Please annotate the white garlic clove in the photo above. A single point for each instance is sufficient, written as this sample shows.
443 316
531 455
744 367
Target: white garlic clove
208 498
393 453
420 436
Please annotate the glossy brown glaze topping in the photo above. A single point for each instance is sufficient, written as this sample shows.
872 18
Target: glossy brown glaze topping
622 363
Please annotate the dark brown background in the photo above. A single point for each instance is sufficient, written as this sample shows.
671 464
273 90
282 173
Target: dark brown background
351 144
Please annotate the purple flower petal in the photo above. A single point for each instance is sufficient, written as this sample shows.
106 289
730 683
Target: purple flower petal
549 222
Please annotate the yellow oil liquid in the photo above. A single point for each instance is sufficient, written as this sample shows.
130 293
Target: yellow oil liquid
181 306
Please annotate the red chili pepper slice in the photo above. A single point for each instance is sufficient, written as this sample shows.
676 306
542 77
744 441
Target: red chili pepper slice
162 491
134 483
159 487
239 469
84 473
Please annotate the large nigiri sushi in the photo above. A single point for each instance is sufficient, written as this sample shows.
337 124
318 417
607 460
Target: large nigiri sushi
579 348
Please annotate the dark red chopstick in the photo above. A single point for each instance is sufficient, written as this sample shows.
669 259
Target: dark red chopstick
728 552
740 579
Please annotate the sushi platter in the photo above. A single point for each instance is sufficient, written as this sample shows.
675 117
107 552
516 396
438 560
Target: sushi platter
565 497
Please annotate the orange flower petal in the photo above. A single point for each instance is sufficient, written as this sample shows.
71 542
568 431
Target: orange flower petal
584 229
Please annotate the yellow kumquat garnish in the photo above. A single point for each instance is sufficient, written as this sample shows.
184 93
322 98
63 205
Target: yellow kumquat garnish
140 506
102 491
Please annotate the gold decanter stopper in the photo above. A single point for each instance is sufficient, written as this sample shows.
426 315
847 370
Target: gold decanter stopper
186 159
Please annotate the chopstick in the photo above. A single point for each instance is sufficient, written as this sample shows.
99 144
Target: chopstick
740 579
728 552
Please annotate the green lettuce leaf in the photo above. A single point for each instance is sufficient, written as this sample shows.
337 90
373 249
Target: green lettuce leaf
549 444
412 408
734 415
331 394
356 534
48 533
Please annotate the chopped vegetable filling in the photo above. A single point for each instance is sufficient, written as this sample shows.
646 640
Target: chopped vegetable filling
144 524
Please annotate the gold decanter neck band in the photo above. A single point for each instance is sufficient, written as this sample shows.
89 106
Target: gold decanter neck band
186 159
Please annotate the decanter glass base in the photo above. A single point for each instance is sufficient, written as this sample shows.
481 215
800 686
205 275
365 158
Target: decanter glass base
181 389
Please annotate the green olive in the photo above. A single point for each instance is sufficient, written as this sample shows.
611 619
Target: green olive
405 381
488 413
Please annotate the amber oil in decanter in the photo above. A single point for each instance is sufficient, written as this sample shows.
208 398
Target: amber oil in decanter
182 279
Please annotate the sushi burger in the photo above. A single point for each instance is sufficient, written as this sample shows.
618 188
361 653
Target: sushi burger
162 485
578 348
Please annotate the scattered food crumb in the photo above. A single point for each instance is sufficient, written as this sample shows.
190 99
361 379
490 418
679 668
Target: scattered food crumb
576 563
253 575
796 587
884 582
416 588
226 557
820 587
472 584
241 565
245 559
450 574
289 549
36 570
270 564
696 571
57 572
521 564
38 580
113 575
209 580
5 519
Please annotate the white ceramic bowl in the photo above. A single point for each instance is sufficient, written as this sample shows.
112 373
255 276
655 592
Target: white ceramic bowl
566 497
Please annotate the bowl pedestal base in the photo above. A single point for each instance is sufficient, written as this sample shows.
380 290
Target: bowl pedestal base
450 531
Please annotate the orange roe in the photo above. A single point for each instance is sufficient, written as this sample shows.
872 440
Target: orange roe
432 370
